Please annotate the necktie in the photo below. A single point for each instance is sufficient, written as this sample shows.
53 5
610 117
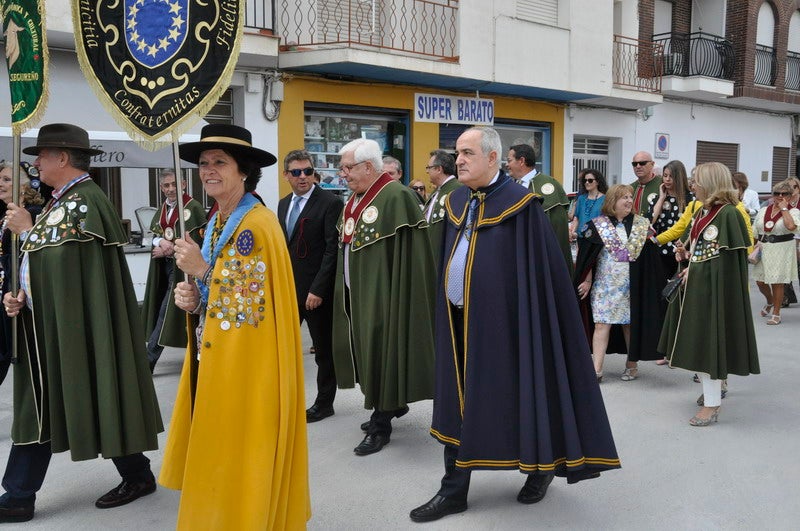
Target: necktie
293 215
455 277
637 201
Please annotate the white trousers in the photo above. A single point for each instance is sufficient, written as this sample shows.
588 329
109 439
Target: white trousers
712 390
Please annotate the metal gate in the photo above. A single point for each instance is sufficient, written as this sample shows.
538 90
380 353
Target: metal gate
589 152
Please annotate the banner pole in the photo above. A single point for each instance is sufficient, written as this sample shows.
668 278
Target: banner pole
15 197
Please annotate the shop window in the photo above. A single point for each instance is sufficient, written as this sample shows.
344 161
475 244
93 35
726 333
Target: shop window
536 134
327 130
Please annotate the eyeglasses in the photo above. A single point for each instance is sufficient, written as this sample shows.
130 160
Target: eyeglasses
588 180
307 171
418 188
640 163
347 168
781 193
432 167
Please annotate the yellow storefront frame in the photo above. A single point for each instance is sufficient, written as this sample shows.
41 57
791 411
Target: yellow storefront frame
423 137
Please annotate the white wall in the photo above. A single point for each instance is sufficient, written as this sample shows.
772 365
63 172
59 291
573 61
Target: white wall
756 133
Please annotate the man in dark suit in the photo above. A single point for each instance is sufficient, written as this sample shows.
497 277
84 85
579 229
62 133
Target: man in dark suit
308 216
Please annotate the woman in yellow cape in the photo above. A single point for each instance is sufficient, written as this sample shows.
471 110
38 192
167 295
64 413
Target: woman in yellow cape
237 441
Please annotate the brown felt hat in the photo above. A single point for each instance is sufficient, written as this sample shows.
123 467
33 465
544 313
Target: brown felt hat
62 136
231 138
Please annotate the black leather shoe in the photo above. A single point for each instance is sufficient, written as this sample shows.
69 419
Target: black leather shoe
124 493
316 413
372 443
535 488
11 512
397 414
437 507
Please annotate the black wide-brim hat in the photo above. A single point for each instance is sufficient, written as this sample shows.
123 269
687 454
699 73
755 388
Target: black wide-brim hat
231 138
62 136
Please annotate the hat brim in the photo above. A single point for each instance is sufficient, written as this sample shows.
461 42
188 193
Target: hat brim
34 150
190 152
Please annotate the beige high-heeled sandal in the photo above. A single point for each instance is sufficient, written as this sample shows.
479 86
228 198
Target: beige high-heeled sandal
697 421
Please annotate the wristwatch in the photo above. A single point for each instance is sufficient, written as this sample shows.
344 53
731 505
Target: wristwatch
784 209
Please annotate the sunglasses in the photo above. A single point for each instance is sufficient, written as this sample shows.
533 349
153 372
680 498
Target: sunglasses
781 193
418 188
640 163
589 180
307 171
431 167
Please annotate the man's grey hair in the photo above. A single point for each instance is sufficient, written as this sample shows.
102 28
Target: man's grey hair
392 160
365 149
490 141
166 172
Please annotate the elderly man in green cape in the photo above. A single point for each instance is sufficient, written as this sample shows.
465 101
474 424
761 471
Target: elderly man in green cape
81 383
521 166
382 334
647 184
164 323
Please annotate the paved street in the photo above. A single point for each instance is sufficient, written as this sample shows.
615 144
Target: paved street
739 474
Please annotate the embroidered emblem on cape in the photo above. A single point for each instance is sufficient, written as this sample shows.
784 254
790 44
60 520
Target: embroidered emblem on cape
244 243
169 234
56 216
442 200
349 226
370 214
710 233
186 214
548 188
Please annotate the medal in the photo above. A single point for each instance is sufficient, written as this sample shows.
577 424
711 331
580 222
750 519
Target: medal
349 226
769 224
169 234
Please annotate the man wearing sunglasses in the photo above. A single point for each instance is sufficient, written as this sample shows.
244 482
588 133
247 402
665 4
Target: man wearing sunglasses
308 217
647 184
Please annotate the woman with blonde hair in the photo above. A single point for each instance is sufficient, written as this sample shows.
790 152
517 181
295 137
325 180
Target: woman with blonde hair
32 201
709 326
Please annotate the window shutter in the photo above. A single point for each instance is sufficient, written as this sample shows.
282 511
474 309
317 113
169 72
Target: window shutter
728 154
544 11
780 164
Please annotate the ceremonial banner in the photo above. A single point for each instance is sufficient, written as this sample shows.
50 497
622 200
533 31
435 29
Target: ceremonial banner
158 65
27 59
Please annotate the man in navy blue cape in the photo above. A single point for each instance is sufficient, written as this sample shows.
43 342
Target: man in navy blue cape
515 386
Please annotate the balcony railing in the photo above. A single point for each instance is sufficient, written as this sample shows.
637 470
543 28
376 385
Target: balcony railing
766 65
696 54
424 27
637 64
793 70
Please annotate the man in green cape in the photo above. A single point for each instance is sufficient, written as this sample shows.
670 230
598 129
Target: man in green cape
521 166
383 316
647 184
164 323
82 382
441 170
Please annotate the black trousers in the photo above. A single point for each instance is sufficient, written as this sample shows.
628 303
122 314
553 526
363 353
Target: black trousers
27 466
154 350
320 326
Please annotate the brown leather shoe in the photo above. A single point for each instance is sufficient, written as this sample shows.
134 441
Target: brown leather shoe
125 493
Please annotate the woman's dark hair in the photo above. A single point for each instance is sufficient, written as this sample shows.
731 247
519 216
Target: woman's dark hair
248 168
680 183
602 185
